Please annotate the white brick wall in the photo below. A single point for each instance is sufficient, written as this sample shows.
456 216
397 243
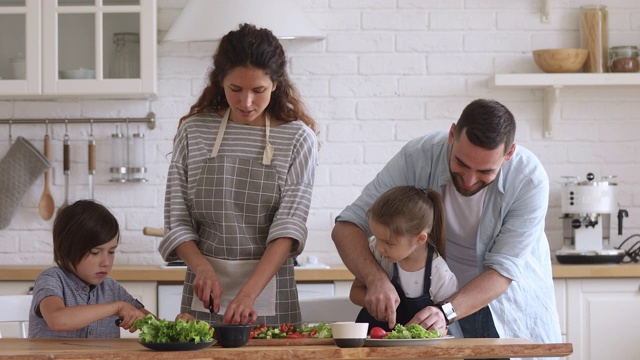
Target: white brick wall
387 71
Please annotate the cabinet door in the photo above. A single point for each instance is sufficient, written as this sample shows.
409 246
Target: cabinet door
100 47
20 52
603 318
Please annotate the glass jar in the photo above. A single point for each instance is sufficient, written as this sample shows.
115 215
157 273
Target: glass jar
125 58
136 168
594 36
118 156
624 59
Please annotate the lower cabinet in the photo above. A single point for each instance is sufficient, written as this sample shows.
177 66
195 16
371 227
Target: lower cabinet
602 318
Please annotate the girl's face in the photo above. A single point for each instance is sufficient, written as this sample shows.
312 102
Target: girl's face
393 247
248 92
96 265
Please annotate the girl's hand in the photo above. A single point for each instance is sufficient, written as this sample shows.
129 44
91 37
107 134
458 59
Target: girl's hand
240 311
128 315
206 283
430 318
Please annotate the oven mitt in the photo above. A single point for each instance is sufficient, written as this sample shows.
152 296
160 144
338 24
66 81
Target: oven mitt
19 169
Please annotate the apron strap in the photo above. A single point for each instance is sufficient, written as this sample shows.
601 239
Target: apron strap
223 127
268 149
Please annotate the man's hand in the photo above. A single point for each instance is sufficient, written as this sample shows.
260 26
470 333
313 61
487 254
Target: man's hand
381 301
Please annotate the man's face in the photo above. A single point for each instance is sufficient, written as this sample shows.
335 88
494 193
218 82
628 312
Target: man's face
472 168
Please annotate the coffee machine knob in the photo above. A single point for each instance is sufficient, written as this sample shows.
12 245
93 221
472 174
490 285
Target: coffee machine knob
576 223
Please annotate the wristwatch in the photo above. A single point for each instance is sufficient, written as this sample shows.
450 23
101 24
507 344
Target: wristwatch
448 311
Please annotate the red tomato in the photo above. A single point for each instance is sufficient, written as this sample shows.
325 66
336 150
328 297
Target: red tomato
378 333
294 335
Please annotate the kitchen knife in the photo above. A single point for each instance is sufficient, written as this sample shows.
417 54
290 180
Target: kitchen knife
211 304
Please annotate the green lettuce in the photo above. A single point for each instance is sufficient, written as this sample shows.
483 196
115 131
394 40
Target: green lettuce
153 330
413 331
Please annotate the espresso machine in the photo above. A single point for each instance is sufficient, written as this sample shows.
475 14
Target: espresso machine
587 207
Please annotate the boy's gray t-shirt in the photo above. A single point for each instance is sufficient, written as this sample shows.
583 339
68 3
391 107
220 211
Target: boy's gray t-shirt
73 291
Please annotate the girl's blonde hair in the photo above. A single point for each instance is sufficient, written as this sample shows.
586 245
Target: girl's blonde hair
408 211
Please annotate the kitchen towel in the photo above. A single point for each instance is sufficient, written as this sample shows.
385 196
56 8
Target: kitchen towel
19 169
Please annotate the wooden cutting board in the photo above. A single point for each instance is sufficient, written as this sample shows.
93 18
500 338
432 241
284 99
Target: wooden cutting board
289 342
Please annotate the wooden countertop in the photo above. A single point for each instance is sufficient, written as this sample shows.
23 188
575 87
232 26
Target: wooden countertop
335 273
129 349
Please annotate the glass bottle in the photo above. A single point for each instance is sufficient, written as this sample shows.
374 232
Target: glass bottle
594 36
136 168
118 157
125 58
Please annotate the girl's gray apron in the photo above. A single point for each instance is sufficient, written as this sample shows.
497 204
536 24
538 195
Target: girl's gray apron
234 204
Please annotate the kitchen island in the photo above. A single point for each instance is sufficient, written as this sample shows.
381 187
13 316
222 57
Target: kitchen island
129 349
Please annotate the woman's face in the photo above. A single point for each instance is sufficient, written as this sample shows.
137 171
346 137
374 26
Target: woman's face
248 92
96 265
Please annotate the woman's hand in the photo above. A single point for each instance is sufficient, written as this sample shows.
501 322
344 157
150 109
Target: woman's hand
186 317
205 285
240 311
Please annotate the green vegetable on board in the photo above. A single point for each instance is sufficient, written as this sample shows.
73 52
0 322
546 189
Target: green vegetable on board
413 331
153 330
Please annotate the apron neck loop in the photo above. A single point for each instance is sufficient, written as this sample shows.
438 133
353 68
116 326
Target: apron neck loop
268 149
223 127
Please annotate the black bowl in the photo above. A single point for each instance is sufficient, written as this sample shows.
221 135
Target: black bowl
349 343
230 336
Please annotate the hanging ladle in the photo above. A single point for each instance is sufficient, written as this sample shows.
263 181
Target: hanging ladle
46 206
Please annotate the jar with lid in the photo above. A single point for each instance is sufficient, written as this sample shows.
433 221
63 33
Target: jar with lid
624 59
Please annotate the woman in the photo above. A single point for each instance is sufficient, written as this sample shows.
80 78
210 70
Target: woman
239 186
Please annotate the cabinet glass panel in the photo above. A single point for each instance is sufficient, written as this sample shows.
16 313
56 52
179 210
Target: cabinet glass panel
6 3
76 46
13 46
121 46
120 2
75 2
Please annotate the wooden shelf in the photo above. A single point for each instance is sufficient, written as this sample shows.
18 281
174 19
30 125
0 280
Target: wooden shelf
552 83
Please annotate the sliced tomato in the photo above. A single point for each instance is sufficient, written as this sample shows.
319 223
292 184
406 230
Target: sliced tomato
294 335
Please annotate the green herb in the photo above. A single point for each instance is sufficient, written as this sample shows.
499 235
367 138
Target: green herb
413 331
320 331
163 331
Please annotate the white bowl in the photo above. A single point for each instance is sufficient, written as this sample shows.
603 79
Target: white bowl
77 74
349 333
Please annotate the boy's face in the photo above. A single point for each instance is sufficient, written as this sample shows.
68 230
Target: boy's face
96 265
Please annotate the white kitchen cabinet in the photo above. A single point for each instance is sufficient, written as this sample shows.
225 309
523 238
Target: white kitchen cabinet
63 38
602 318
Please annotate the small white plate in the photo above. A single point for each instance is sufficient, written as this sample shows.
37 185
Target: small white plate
406 342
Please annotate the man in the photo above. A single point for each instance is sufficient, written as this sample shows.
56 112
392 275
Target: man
495 197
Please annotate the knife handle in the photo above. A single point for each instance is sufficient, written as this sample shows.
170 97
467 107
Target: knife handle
118 322
66 155
92 157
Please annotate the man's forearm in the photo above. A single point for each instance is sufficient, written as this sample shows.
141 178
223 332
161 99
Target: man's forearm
353 248
479 292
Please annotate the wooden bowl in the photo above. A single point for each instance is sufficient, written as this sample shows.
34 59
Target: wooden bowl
560 60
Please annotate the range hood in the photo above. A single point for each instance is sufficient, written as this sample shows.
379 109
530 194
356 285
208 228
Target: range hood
210 20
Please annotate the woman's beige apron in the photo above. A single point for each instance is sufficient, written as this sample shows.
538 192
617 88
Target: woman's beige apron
233 207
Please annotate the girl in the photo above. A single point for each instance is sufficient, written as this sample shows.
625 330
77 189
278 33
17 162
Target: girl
76 299
409 243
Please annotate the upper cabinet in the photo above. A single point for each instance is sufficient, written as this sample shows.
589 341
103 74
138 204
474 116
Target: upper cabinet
99 48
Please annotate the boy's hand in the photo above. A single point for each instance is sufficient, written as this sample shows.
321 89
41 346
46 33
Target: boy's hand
128 315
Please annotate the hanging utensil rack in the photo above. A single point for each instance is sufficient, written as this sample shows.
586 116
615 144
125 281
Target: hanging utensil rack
150 120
